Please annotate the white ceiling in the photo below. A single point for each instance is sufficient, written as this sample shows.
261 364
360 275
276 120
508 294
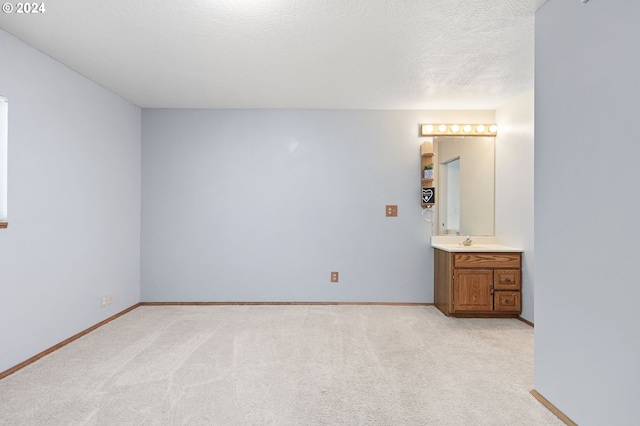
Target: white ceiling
343 54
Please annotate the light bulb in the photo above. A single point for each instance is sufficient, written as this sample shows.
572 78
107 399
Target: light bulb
493 128
442 128
480 128
427 128
455 128
466 128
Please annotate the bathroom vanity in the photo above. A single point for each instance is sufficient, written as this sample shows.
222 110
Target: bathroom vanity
480 280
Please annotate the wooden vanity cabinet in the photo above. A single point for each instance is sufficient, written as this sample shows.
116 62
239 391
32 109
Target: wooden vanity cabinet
478 284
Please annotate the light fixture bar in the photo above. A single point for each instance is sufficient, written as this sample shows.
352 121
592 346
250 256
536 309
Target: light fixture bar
458 130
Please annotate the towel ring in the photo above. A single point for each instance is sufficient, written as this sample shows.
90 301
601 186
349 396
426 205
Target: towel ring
428 214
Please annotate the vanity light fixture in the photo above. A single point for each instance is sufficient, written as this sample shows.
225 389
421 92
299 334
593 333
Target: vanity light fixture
458 130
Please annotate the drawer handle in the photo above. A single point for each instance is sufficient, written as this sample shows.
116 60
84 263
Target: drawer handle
507 302
508 280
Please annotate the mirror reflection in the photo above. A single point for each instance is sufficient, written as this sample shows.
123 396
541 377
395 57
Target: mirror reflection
465 179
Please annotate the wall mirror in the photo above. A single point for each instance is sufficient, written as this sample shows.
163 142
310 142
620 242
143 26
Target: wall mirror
465 177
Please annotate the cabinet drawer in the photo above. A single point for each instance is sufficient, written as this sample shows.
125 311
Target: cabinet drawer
506 279
507 301
486 260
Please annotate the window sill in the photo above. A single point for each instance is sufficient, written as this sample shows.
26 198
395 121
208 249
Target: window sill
4 224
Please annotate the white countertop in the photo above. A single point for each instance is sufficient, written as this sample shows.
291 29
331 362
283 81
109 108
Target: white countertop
485 248
480 244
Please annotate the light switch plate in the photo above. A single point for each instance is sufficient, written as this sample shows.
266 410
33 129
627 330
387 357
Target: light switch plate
392 210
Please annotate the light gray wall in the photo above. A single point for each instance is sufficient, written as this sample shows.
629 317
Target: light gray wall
514 186
260 205
587 232
74 203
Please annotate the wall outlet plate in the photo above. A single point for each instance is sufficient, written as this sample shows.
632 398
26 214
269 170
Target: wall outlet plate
334 277
392 210
103 301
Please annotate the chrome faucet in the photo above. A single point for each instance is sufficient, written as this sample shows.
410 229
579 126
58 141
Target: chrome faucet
467 241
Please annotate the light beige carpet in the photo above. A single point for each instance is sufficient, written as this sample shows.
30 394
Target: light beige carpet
283 365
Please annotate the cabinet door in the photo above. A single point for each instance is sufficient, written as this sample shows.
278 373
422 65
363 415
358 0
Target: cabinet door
473 290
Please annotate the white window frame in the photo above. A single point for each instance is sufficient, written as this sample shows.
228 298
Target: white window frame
4 135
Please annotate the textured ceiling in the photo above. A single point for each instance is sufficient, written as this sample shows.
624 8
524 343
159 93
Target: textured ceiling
343 54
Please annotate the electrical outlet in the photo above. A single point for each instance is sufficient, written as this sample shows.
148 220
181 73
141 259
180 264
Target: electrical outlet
103 301
334 277
392 210
109 299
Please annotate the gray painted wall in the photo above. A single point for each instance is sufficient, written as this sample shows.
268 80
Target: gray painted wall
260 205
74 203
514 186
587 232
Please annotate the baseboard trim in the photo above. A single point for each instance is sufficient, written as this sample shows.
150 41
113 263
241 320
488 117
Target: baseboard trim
544 401
281 303
64 343
525 321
